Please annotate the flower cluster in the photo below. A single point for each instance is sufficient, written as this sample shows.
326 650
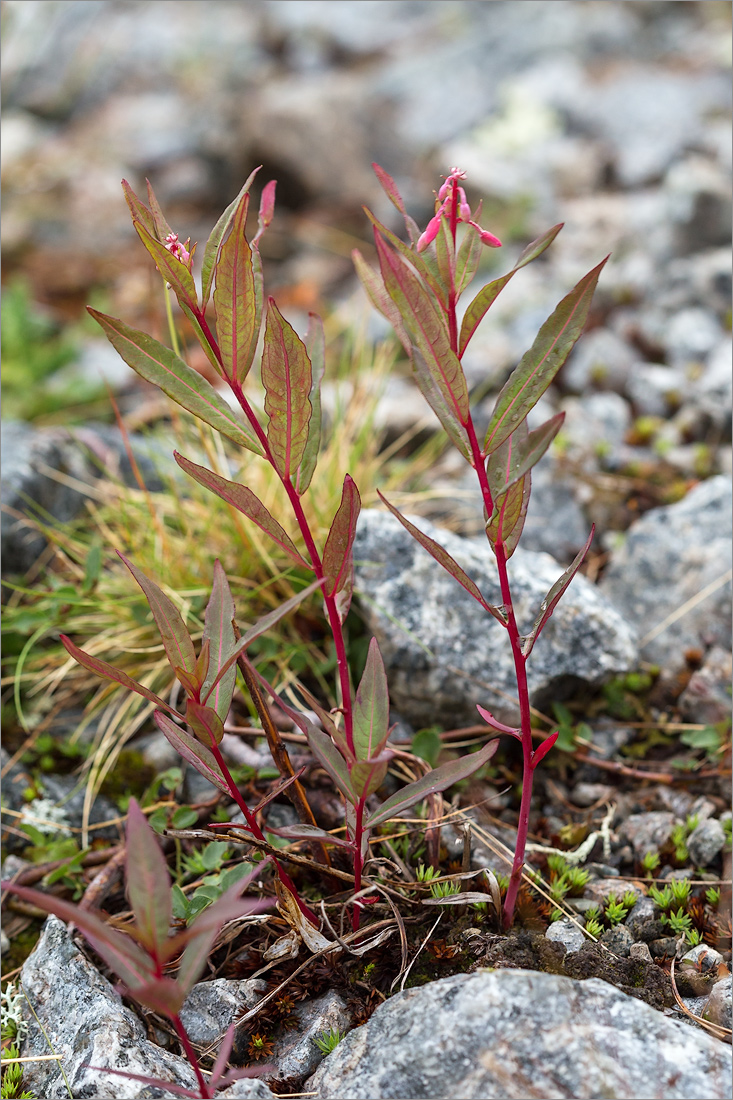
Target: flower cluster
445 197
180 251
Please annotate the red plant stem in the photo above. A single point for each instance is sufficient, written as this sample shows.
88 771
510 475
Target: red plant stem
191 1055
259 835
520 661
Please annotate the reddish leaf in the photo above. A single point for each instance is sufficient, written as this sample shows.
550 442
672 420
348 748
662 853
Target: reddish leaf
390 188
337 557
542 750
176 639
287 377
205 928
540 364
219 639
315 344
487 716
193 751
489 293
205 723
469 256
156 1082
245 501
445 413
449 564
423 263
508 522
330 759
109 672
552 598
162 229
237 319
371 707
139 210
437 780
217 235
261 627
366 776
129 962
156 363
148 883
427 327
379 298
308 832
510 462
173 270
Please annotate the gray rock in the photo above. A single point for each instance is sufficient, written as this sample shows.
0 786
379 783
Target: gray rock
295 1052
698 197
664 947
513 1034
247 1088
88 1025
211 1006
437 641
701 959
587 794
647 832
567 933
601 359
601 890
705 842
670 556
619 940
595 425
67 792
719 1007
656 390
640 951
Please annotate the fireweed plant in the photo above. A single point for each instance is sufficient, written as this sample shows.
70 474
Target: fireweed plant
351 742
417 289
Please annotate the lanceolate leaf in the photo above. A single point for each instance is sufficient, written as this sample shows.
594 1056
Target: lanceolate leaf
540 364
237 319
520 456
139 210
367 776
427 327
437 780
286 376
379 297
156 363
507 522
542 750
489 293
390 188
552 598
173 270
176 639
444 411
315 345
217 235
330 759
308 832
337 557
219 634
260 627
162 229
205 723
122 954
148 883
192 751
449 564
444 255
426 267
371 707
245 501
468 258
109 672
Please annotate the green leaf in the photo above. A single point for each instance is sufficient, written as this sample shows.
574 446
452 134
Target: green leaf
162 229
219 633
521 452
287 378
489 293
156 363
428 329
427 745
245 501
708 739
193 751
173 270
423 263
308 832
438 780
540 364
109 672
469 256
330 759
139 210
184 817
444 410
338 563
507 523
380 299
148 883
550 601
237 318
371 707
217 234
176 639
367 776
205 723
316 348
449 564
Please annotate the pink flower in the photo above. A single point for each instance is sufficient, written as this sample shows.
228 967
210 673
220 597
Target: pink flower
445 195
180 251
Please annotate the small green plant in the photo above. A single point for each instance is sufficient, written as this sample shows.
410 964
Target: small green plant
556 915
678 922
615 910
12 1080
681 890
426 874
650 863
712 896
693 936
593 927
628 898
577 879
444 889
559 887
662 898
329 1040
678 838
727 823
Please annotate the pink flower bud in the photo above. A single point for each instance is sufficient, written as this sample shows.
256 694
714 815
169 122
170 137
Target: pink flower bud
431 231
267 204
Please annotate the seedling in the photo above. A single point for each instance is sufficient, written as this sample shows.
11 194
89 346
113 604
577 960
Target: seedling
141 962
678 922
712 896
593 927
616 911
650 863
418 289
329 1040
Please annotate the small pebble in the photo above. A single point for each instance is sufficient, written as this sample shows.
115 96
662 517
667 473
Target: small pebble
567 933
640 951
618 940
718 1010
